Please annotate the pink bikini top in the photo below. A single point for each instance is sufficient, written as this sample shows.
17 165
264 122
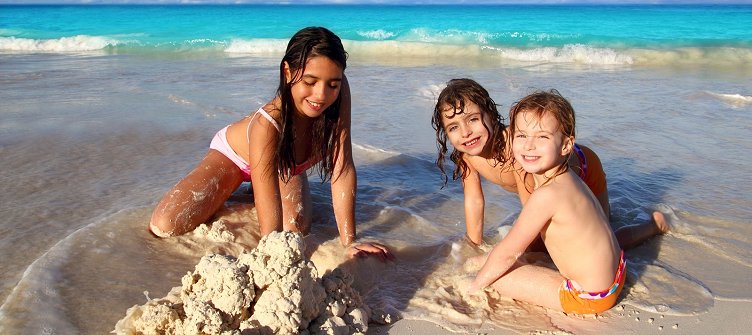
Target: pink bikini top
299 168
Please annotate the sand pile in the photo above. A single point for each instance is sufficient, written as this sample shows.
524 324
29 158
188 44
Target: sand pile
272 289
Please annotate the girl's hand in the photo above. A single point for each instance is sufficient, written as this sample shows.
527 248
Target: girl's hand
470 292
370 249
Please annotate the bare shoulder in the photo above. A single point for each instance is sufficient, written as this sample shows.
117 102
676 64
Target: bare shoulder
555 190
255 125
547 194
274 108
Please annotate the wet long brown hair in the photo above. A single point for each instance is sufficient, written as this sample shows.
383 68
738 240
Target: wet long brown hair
452 100
307 43
539 103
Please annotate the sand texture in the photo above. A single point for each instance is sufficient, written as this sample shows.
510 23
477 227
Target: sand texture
272 289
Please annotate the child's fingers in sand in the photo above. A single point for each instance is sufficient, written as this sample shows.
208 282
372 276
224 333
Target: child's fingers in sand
371 249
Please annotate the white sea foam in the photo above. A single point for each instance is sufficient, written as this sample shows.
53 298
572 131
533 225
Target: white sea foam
431 91
373 153
63 44
734 100
470 46
573 53
426 47
257 46
378 34
664 290
475 47
374 150
450 36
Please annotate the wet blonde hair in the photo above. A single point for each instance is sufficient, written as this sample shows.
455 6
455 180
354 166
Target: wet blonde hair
540 103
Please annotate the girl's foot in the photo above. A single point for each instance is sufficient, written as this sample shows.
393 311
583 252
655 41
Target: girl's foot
660 222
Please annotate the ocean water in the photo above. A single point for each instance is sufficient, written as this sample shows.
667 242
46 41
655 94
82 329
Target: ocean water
104 108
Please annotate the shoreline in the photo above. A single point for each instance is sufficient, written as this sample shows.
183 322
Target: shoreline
725 317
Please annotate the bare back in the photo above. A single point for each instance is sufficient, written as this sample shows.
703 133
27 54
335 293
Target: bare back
578 236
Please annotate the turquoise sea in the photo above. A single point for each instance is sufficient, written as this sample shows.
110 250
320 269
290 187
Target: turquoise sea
103 108
628 34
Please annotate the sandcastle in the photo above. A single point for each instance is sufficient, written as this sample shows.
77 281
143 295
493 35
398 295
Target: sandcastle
272 289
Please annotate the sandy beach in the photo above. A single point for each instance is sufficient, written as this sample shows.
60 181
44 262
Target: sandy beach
725 317
722 316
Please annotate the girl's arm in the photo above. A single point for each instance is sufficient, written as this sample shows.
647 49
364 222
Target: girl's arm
263 139
474 205
344 186
536 213
344 178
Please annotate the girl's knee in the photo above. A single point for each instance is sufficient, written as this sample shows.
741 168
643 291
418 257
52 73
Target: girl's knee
168 220
158 231
161 226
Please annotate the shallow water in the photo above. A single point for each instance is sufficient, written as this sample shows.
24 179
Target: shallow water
89 142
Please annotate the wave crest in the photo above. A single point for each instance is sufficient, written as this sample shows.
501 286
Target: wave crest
575 53
63 44
257 46
417 46
734 100
378 34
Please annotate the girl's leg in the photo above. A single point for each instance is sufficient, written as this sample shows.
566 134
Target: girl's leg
632 235
530 283
296 204
197 197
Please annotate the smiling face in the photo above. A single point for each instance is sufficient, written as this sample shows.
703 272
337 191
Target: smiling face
538 143
317 87
466 130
